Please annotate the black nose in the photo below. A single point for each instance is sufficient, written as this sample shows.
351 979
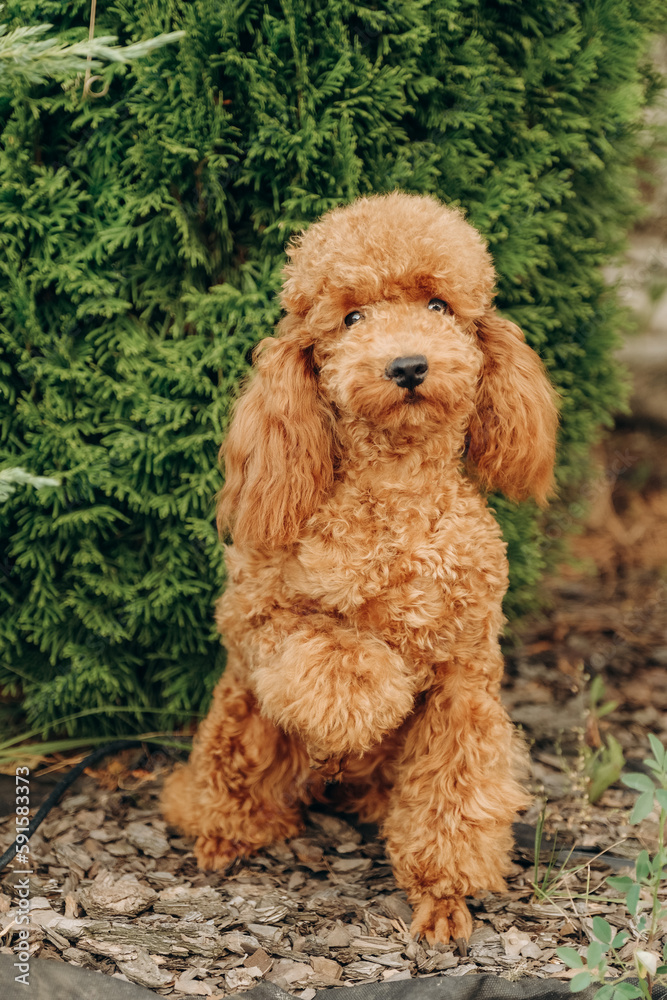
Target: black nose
407 372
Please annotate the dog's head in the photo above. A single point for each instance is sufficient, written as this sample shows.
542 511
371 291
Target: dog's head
390 324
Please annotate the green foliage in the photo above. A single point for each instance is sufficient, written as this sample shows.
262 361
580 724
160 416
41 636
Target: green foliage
26 55
141 243
602 766
640 893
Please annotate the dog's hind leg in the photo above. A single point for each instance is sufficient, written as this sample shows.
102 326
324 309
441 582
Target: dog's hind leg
244 784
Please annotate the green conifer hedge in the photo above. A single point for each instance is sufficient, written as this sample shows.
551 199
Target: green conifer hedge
141 242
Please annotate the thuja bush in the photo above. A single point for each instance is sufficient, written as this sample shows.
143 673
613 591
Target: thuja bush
141 242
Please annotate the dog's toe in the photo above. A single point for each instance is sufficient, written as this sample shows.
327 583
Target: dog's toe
439 920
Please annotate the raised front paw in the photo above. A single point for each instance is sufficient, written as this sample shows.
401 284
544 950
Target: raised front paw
335 689
439 920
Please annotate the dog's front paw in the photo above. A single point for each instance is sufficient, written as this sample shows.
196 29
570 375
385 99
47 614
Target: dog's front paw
335 689
439 920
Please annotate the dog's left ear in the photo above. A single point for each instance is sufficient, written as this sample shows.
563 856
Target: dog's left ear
512 434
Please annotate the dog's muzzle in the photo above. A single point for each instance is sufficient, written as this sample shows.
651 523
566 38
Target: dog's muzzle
407 372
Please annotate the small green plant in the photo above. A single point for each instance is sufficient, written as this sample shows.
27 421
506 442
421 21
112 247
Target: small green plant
597 706
603 767
550 883
603 759
545 887
641 895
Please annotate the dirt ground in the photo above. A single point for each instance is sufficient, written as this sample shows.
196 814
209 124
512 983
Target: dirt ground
114 889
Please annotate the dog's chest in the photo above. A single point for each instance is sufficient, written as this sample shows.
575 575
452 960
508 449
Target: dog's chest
399 558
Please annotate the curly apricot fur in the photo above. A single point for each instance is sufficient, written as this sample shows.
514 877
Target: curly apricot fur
363 605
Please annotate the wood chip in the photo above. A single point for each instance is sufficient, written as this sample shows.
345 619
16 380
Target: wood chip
531 950
107 833
174 937
161 880
127 952
259 960
270 909
147 839
237 978
145 972
373 945
286 972
338 937
514 940
73 857
363 970
348 847
112 896
89 819
180 900
334 827
266 932
239 943
121 849
194 987
463 970
307 851
352 865
391 960
326 967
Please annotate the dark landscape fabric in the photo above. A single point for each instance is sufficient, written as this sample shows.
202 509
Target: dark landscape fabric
445 988
58 981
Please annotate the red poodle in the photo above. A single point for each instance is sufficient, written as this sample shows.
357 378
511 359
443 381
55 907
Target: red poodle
366 577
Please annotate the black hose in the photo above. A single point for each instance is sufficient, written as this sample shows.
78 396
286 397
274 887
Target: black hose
57 793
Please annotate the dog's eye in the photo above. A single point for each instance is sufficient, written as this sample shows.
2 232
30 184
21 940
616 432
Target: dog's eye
438 305
353 317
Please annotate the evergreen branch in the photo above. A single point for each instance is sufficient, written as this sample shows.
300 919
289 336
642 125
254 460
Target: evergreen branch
10 478
24 55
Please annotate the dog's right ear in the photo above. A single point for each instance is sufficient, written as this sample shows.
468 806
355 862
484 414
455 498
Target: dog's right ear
278 453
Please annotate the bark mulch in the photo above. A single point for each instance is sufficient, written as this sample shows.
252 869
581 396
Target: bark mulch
115 891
